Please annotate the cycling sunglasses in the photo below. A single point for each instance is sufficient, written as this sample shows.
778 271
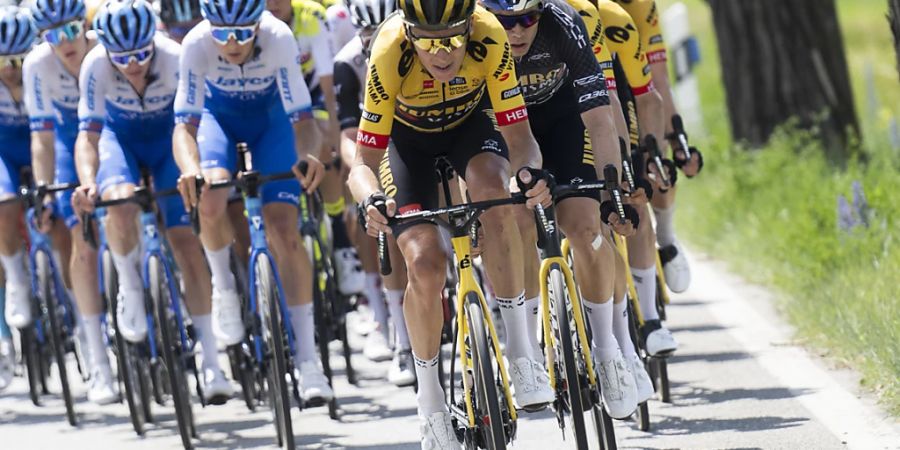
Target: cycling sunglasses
14 61
434 45
526 20
141 56
68 31
241 35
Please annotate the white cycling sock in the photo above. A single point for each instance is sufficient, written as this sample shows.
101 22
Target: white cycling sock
620 328
395 304
430 395
14 266
127 270
209 352
94 340
514 317
372 291
665 225
645 285
532 316
600 316
220 268
304 332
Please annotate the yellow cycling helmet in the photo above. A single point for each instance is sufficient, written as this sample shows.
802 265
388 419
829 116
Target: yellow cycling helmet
92 6
436 15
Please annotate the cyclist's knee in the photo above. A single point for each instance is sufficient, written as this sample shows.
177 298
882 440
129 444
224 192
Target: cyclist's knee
213 204
526 224
281 222
122 218
426 267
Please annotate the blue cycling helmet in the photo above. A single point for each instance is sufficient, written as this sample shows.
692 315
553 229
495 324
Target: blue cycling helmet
125 25
232 12
509 5
50 13
17 31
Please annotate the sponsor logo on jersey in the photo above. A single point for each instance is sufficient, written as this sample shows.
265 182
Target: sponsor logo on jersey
592 95
285 86
191 87
505 65
131 101
244 82
374 87
427 84
91 90
619 35
371 117
491 145
510 93
379 141
588 80
457 81
387 177
538 56
512 116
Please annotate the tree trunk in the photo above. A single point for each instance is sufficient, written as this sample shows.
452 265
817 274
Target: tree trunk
894 19
784 59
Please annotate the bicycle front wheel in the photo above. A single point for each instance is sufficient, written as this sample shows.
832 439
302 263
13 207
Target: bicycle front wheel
172 350
58 335
31 358
569 361
487 404
273 334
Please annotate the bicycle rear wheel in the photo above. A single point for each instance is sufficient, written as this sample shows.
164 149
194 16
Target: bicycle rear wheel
643 411
564 335
273 335
125 354
487 405
57 334
172 350
31 358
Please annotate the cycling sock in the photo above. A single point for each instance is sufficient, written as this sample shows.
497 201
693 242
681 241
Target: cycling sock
430 396
220 267
665 226
600 316
620 328
339 235
304 332
209 351
372 291
127 269
532 316
513 312
395 304
5 332
14 266
645 285
93 334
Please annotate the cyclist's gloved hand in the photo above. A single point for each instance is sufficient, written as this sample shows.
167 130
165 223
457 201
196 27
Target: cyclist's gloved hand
626 228
83 198
537 184
190 185
48 210
376 209
313 175
690 168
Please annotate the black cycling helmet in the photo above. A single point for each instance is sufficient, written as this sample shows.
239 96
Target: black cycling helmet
436 15
179 11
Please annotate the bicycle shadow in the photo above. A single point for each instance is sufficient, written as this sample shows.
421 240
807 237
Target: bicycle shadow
43 416
668 425
688 395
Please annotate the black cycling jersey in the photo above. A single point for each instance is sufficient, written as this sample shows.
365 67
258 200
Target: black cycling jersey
561 62
349 78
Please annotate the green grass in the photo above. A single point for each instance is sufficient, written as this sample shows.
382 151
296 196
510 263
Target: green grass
771 213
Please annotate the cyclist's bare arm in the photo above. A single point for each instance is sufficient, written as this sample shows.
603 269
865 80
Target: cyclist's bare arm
43 156
601 128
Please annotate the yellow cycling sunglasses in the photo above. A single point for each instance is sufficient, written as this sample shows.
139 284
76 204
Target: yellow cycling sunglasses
434 45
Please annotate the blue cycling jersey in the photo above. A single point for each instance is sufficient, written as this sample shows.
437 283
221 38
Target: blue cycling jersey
13 116
51 93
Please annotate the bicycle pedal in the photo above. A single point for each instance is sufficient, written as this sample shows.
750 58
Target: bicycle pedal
535 408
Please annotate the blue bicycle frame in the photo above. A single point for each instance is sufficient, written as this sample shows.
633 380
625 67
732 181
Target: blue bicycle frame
40 243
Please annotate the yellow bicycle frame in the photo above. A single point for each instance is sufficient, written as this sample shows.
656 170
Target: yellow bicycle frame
575 298
462 247
622 248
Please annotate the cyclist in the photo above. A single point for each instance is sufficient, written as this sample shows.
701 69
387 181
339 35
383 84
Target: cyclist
645 14
307 20
444 71
51 96
127 89
17 35
178 17
349 78
569 111
340 22
241 82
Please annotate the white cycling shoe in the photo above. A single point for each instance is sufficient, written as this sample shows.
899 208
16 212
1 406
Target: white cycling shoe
531 384
131 316
226 317
18 305
351 278
438 433
676 267
314 385
7 363
402 372
217 390
376 347
658 340
617 387
102 389
641 378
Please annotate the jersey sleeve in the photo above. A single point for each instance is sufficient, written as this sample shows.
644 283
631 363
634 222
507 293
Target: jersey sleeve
624 41
342 29
288 74
591 17
346 85
645 14
501 80
189 96
322 51
92 83
37 95
576 50
383 81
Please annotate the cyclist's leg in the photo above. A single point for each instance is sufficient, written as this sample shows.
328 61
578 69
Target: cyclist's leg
12 253
11 213
401 372
7 349
622 332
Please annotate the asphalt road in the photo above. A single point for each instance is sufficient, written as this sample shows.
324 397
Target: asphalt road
738 381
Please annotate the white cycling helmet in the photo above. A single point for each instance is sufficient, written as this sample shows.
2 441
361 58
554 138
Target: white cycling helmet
370 13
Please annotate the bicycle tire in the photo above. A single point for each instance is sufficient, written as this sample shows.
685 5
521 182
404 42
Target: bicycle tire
603 424
643 411
665 395
31 359
171 350
124 353
660 304
485 389
568 360
267 303
243 366
50 307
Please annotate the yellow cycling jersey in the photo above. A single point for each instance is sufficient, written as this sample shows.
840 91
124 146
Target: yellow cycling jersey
591 18
645 14
624 41
398 86
310 29
328 3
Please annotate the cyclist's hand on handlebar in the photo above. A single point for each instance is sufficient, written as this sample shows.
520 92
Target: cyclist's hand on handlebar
313 175
538 194
636 197
187 186
83 198
692 167
46 220
376 222
626 228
